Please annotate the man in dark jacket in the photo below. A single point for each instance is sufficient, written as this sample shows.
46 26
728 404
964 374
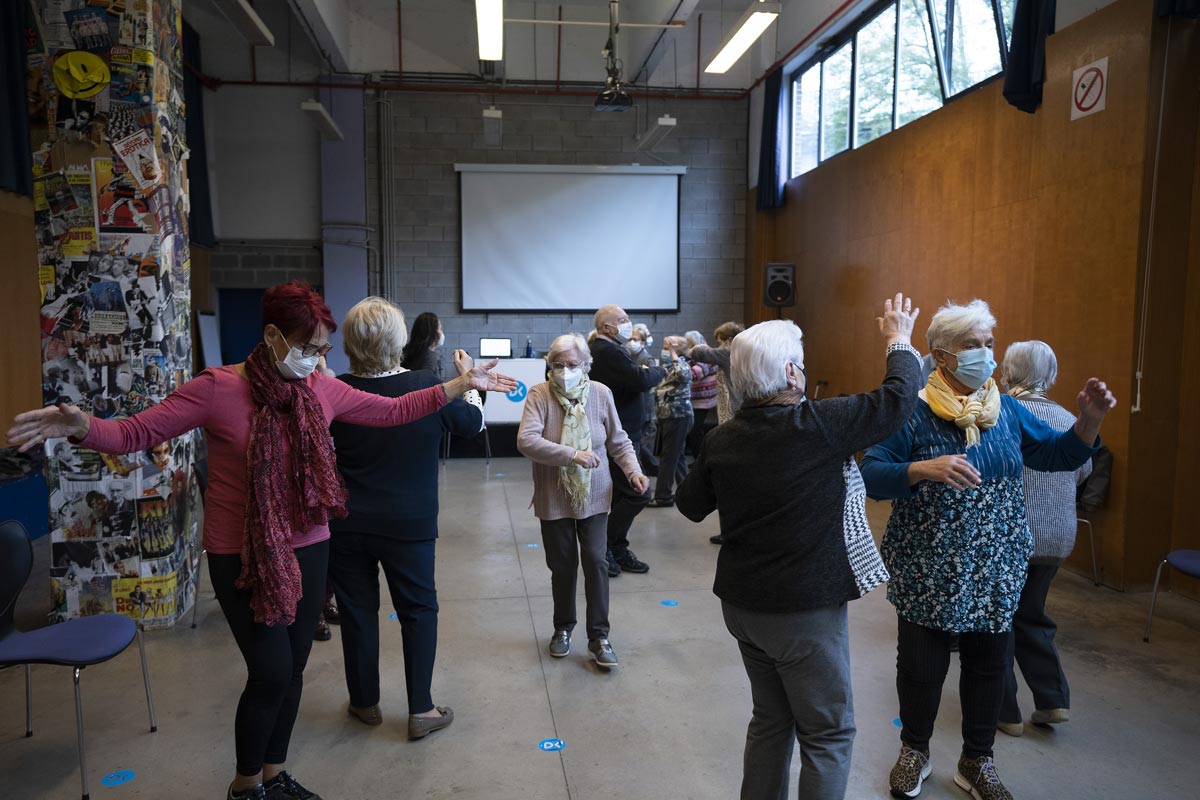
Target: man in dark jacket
614 366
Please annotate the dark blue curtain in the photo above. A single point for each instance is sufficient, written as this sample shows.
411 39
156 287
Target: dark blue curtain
1033 21
771 154
16 167
201 220
1182 8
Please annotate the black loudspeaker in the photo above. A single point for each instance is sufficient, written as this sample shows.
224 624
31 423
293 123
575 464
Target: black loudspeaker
779 285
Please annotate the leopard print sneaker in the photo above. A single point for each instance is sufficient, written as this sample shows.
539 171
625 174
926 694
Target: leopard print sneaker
911 770
978 778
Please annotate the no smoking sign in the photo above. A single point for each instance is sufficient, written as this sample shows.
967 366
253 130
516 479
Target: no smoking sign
1089 89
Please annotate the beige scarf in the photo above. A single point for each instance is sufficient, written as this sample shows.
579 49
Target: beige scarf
576 481
973 413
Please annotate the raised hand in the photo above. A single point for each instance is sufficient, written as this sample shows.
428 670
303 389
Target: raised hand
53 422
1095 401
482 378
898 319
463 362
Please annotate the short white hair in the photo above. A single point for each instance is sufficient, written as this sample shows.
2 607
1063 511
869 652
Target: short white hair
1030 365
608 314
640 327
694 338
570 343
374 335
759 357
953 322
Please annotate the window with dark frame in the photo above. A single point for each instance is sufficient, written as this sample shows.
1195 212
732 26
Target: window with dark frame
899 61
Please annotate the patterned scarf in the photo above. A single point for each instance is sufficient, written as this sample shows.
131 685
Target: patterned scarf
973 413
576 481
284 495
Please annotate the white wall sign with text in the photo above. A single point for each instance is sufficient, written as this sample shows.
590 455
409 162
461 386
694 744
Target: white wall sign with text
1089 89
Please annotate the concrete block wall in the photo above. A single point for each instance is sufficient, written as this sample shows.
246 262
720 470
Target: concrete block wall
431 132
259 265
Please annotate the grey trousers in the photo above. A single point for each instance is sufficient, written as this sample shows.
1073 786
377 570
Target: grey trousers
565 542
799 669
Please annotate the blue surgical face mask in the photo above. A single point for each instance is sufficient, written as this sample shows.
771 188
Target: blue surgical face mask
666 356
975 366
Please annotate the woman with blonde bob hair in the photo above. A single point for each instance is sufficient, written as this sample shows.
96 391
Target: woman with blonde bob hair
569 430
392 516
958 543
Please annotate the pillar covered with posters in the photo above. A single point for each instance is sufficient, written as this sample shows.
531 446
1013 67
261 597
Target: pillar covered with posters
105 87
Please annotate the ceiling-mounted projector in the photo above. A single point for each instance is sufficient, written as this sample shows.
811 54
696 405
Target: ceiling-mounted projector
613 97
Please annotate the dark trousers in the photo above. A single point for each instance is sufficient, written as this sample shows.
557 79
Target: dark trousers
627 503
408 567
566 541
275 657
799 670
696 437
672 466
922 659
1031 644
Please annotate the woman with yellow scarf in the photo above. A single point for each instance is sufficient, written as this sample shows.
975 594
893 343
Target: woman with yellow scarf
958 541
570 429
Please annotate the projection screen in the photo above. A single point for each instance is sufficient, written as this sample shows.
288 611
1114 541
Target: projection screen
540 238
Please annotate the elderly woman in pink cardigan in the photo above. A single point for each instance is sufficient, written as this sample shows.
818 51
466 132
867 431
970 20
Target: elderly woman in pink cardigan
569 430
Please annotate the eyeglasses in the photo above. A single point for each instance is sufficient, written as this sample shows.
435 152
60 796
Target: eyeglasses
310 350
559 366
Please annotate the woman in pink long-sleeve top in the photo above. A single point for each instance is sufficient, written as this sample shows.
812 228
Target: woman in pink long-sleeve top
273 487
569 430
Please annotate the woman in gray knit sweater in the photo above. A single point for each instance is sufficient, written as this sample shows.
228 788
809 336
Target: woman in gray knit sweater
1028 372
569 430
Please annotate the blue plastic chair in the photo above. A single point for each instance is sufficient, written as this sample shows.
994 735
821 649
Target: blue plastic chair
1187 562
76 643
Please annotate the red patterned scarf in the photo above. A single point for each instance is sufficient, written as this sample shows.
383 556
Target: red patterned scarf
284 495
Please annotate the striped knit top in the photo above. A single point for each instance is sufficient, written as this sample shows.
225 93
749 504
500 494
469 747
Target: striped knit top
1050 496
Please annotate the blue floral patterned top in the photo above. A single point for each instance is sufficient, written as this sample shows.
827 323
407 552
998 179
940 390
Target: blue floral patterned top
958 558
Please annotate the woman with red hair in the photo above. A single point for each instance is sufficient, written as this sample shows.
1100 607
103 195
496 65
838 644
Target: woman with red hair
273 487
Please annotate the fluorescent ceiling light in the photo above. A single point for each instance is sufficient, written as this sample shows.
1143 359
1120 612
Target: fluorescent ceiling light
320 117
489 21
652 137
758 18
248 23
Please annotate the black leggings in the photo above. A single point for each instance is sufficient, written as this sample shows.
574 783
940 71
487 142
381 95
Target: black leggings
275 657
922 660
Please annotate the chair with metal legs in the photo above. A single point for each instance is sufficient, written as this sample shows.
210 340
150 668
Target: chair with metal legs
1092 542
76 643
1187 562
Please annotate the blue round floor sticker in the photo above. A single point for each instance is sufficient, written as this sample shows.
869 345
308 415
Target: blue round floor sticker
898 723
117 778
669 603
531 545
392 616
551 745
517 394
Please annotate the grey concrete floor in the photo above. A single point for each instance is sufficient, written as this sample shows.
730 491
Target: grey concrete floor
669 723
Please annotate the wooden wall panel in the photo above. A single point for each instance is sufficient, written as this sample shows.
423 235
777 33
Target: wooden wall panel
21 363
1041 216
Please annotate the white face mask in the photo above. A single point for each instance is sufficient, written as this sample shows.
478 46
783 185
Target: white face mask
625 331
635 347
296 366
567 379
441 339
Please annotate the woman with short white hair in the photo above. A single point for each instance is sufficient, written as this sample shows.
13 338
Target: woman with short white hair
569 430
1028 371
797 545
958 543
391 477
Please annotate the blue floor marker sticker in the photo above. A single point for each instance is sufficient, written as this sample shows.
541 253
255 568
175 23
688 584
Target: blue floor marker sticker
119 777
552 745
392 616
532 545
898 723
669 603
499 474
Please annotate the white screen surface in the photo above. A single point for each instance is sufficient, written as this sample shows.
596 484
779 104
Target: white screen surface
549 239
